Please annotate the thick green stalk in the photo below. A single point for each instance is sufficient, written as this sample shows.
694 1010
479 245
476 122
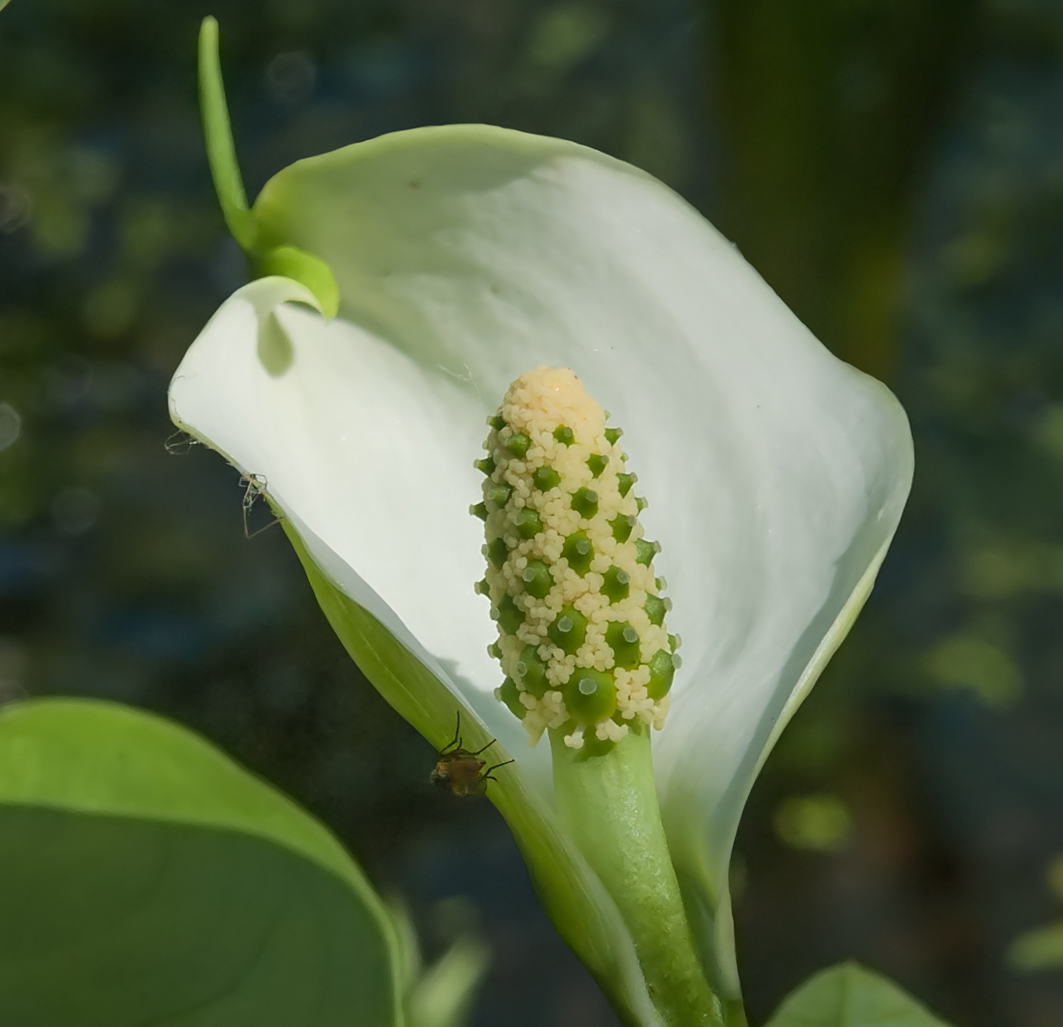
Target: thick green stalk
608 804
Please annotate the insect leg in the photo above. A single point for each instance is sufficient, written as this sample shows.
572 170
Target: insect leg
486 747
256 485
456 744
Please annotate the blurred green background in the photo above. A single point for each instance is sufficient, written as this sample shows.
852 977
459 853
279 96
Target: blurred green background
894 168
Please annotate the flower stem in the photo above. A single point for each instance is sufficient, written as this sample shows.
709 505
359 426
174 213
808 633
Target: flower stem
607 800
221 153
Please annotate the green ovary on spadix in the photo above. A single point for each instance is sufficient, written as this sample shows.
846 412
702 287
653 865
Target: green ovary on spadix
582 640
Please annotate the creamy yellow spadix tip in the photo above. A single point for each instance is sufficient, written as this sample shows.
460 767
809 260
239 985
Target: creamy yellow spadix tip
581 634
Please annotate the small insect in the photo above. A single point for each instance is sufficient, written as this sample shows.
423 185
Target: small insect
255 487
459 772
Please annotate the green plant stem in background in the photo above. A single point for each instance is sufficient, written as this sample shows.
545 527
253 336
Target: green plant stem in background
826 109
608 803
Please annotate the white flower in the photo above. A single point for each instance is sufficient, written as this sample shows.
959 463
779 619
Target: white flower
464 256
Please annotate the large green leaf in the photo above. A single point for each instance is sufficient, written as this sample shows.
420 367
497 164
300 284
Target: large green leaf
850 996
147 879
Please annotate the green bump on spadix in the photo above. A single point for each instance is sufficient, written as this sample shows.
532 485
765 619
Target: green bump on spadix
496 421
510 695
612 435
623 525
510 616
497 552
579 552
494 650
655 608
626 481
546 478
499 495
531 669
568 630
617 584
486 465
537 579
646 551
585 502
479 510
528 522
566 436
590 695
662 670
518 444
596 462
623 639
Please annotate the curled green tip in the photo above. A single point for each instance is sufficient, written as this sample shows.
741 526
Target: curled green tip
305 269
217 133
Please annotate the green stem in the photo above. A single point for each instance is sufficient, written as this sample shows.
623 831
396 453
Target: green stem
221 153
607 801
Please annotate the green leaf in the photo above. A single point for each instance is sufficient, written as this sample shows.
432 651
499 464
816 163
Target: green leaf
850 996
444 995
148 879
1038 950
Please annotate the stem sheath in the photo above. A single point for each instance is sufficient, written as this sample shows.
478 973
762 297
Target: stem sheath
608 803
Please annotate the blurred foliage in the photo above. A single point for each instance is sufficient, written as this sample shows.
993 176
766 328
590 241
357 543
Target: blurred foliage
1041 949
828 109
893 168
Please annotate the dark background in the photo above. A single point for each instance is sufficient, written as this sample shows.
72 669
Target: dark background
894 168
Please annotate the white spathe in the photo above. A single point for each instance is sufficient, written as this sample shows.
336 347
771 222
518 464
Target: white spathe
465 255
